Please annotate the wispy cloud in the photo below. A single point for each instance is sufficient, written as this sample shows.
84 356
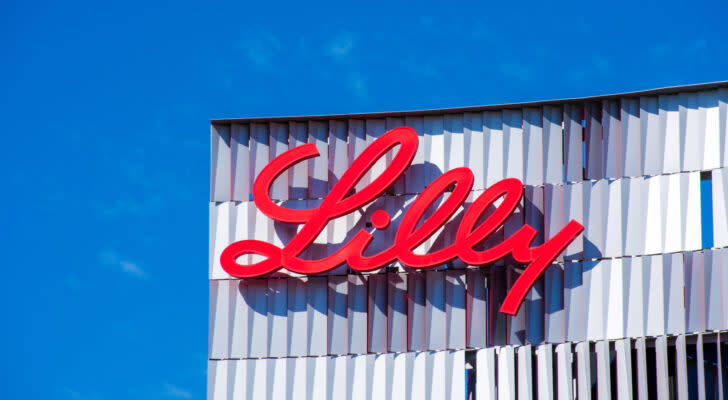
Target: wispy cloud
176 392
341 44
112 259
260 47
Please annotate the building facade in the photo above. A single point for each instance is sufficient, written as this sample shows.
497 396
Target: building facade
636 307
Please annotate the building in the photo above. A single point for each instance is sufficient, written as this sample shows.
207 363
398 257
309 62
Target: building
635 307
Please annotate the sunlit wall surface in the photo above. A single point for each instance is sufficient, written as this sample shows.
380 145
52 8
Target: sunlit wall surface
636 307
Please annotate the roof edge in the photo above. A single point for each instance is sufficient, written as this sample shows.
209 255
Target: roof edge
413 113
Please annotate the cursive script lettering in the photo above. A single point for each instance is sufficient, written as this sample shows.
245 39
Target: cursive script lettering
342 200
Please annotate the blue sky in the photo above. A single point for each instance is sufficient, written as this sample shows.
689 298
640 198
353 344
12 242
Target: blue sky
105 114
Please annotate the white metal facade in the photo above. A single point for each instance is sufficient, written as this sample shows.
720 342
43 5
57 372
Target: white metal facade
635 307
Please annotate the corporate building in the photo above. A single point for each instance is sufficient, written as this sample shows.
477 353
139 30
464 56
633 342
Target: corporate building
634 306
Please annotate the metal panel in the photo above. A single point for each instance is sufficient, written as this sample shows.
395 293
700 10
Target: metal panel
455 374
525 373
476 307
497 321
631 140
533 146
337 315
692 137
655 311
278 145
298 173
475 150
674 289
593 144
642 386
318 167
220 162
616 305
720 207
397 312
240 179
612 131
596 281
634 213
377 313
710 123
662 381
564 371
553 144
402 376
623 352
419 376
435 310
594 201
357 144
493 133
573 210
604 385
436 386
455 309
259 147
671 211
716 272
220 233
506 373
417 321
357 314
670 131
690 192
317 374
583 371
681 368
416 178
485 383
553 212
517 323
277 375
554 299
219 333
338 153
638 291
573 157
258 378
652 205
612 222
374 129
239 323
297 317
544 361
255 296
695 293
434 147
513 143
574 302
297 374
337 381
652 143
381 378
399 186
278 317
454 148
316 291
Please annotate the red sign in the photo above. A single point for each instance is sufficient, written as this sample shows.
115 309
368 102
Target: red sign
342 200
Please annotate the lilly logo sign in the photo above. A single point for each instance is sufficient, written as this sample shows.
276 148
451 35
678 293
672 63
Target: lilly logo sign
342 200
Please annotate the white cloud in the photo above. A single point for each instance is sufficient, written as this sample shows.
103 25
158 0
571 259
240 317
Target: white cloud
177 392
112 259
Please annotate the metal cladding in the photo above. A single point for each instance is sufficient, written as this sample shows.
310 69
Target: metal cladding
635 307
